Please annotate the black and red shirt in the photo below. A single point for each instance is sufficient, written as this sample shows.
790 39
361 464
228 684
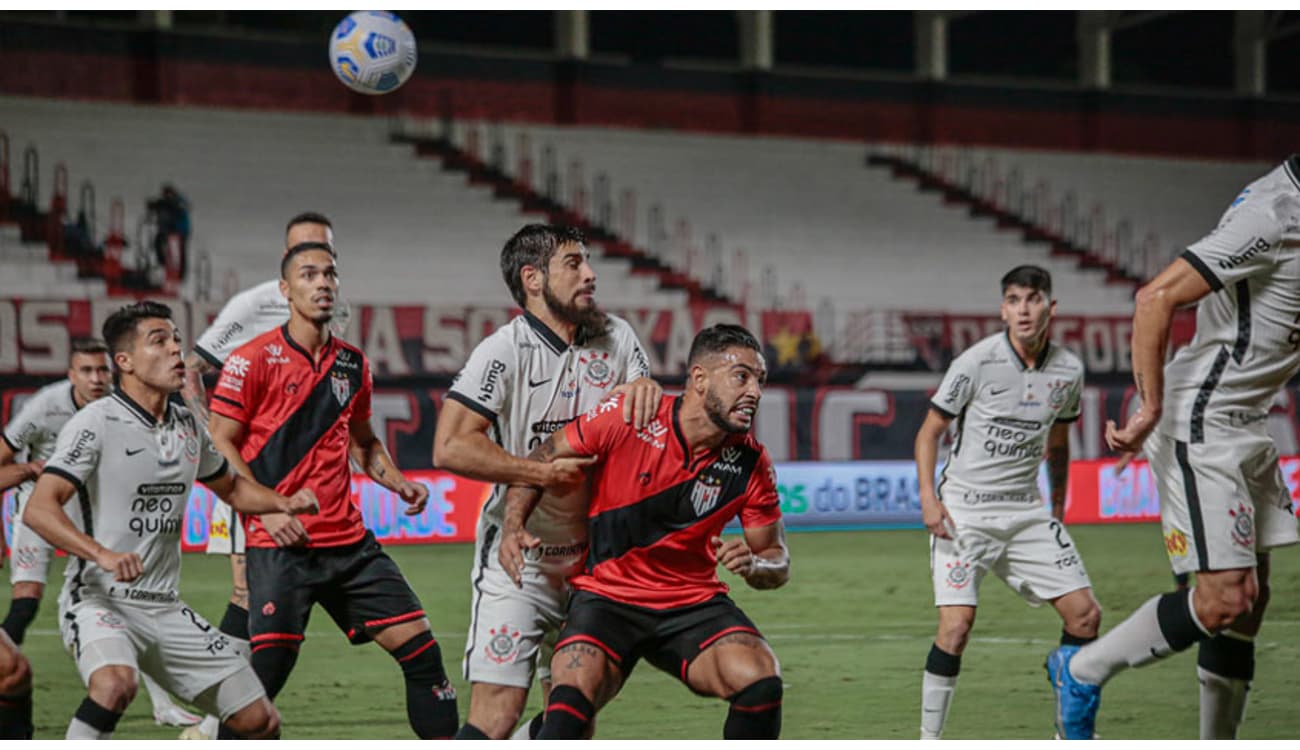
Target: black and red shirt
655 506
298 413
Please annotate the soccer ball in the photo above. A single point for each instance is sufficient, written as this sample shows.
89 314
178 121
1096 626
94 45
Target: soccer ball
372 51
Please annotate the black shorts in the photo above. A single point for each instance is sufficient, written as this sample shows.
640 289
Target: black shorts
670 639
359 585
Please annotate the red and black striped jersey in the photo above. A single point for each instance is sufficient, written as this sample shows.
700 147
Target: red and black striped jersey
298 414
654 506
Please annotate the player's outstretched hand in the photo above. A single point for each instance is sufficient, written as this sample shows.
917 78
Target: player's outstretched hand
285 530
415 495
1129 439
567 474
511 552
734 555
935 517
302 502
125 566
640 402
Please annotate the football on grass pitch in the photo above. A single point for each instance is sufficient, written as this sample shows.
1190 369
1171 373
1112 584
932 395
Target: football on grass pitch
372 51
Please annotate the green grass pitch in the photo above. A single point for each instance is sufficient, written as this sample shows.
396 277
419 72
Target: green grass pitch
851 629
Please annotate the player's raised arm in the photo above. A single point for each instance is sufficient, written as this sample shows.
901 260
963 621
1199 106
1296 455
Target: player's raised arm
45 516
926 452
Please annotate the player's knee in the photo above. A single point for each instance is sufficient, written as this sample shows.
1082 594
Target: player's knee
954 634
15 673
257 721
113 687
495 710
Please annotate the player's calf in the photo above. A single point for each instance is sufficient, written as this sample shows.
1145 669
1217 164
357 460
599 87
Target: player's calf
494 710
755 711
430 697
22 612
568 714
273 656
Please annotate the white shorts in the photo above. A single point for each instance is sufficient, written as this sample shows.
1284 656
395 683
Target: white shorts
225 531
512 630
1221 503
29 555
1029 550
170 642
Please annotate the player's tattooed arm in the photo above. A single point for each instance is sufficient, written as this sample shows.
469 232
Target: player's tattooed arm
1058 467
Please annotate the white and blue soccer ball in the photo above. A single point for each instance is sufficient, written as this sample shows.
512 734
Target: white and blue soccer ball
372 51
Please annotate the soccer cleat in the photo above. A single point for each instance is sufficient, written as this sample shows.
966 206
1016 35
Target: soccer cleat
204 730
172 715
1076 702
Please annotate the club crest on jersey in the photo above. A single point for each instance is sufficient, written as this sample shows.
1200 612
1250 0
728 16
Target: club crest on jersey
1243 525
705 494
958 574
503 646
341 387
1058 393
596 371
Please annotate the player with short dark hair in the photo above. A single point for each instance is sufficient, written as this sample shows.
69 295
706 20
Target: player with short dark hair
35 429
528 379
660 497
250 313
131 459
290 407
1224 504
1013 396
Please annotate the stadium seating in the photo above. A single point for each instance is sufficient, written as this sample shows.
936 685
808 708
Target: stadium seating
406 230
876 241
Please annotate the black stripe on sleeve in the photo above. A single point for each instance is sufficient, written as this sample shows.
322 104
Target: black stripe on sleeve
1202 269
207 356
229 401
473 406
941 411
1067 420
56 471
10 443
225 468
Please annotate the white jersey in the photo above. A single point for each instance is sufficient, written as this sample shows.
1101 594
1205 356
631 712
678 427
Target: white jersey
245 316
1247 342
529 383
36 426
1004 409
133 477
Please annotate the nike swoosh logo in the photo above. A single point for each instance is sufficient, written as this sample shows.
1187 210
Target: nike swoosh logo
531 384
130 452
996 392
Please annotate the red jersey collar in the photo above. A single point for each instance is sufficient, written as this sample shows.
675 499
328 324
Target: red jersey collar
687 458
330 346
